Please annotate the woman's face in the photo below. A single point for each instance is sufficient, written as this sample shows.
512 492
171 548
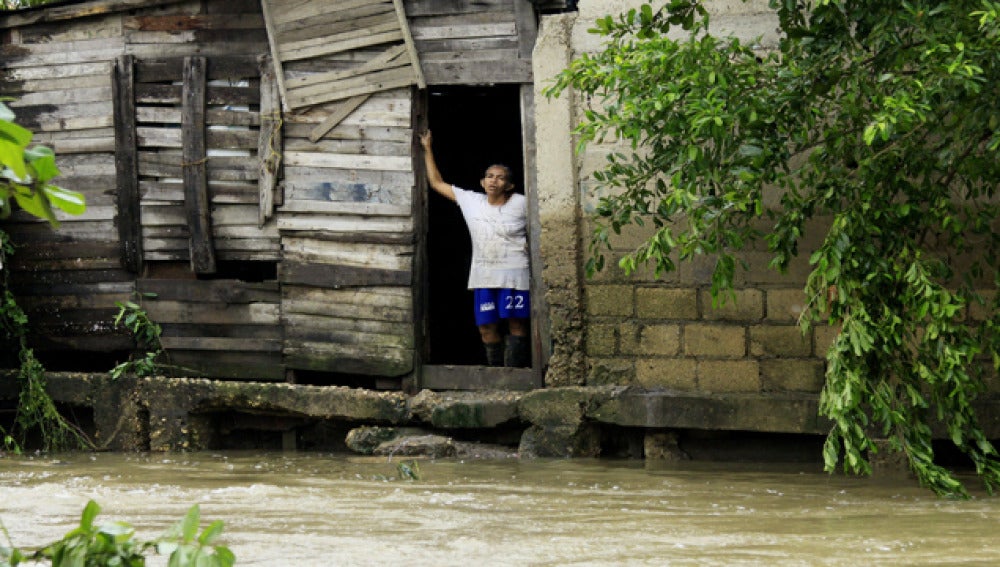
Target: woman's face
497 182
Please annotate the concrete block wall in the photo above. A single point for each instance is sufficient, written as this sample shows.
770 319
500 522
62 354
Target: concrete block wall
639 330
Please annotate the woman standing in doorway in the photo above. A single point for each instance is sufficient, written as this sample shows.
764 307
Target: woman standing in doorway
497 223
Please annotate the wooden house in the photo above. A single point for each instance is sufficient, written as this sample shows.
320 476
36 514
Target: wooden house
252 166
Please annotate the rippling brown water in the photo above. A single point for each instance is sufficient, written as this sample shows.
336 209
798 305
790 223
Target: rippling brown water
313 509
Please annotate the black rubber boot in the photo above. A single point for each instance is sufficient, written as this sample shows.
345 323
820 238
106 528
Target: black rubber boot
517 353
494 354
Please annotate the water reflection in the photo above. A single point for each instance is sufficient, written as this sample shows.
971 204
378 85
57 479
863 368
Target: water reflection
311 509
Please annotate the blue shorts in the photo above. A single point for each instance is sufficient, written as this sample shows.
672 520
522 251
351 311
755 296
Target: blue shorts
494 304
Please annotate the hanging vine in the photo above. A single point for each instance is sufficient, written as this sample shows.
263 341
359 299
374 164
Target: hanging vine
36 411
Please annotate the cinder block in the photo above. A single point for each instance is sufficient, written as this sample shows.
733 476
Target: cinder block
651 340
823 337
716 340
779 340
666 303
611 372
609 300
728 376
667 374
747 305
787 375
602 339
785 304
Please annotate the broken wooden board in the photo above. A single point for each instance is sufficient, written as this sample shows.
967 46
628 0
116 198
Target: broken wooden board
312 32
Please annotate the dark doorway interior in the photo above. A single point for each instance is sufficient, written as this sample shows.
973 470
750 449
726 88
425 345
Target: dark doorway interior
474 127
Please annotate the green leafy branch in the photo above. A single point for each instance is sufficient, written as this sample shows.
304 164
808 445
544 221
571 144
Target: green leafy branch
146 332
113 544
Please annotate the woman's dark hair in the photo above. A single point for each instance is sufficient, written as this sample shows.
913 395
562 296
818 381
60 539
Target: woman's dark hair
508 171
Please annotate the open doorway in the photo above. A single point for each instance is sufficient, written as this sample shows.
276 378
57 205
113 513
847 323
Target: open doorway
474 127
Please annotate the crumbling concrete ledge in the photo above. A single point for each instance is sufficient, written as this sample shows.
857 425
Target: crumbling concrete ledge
178 414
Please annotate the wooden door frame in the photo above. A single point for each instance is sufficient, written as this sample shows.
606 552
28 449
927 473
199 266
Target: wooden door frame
463 377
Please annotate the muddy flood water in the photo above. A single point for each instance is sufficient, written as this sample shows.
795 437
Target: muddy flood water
301 509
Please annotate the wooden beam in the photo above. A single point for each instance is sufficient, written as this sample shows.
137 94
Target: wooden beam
270 145
69 11
408 40
196 200
272 40
127 165
344 109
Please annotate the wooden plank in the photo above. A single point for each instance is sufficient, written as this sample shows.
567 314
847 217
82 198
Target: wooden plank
466 45
263 367
410 47
330 82
79 94
371 330
171 22
498 29
345 224
527 27
329 313
357 185
153 192
334 47
63 12
234 331
81 146
126 165
213 116
361 255
196 201
293 11
44 73
349 276
135 39
272 40
348 161
344 109
221 343
34 87
484 72
366 147
17 56
439 377
336 22
344 131
45 118
386 303
270 142
372 82
166 311
149 93
215 139
227 291
349 207
312 47
349 359
229 66
419 8
92 28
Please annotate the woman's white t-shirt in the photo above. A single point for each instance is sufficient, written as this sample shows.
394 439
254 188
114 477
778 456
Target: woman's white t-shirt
499 240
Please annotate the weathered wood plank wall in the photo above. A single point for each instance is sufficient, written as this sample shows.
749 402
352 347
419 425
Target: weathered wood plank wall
347 228
471 42
68 280
62 71
323 193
